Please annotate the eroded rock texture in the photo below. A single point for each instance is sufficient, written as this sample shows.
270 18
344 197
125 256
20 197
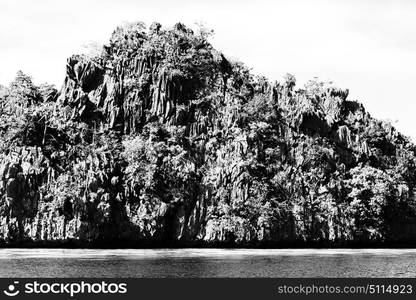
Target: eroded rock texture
162 139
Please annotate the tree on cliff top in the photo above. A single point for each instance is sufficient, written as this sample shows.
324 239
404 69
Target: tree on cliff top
23 90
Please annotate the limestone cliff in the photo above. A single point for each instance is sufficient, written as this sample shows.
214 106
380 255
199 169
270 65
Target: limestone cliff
160 140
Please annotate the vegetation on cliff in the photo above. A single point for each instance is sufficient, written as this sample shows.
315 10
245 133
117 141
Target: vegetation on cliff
160 138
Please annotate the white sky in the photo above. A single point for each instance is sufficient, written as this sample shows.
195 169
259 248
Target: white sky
368 46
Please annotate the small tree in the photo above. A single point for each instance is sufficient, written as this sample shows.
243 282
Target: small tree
23 91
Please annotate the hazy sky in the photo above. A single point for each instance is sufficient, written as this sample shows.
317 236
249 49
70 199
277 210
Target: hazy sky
368 46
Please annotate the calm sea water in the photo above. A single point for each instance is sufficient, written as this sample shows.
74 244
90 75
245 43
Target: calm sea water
208 263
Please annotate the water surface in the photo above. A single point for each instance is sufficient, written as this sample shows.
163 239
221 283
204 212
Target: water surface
157 263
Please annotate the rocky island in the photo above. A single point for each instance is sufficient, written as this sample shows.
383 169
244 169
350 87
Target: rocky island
161 140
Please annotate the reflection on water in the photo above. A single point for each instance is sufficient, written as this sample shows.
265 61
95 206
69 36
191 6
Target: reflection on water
208 263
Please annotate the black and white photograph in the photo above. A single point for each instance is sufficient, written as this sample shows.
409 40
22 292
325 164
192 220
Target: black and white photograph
252 142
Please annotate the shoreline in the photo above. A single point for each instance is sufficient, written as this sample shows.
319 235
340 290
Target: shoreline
75 244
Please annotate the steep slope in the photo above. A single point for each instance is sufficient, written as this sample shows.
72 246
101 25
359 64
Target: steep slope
161 140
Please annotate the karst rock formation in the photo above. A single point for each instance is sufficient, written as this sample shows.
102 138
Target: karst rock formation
159 139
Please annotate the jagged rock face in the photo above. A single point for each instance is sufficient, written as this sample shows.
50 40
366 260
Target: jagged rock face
162 139
127 87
